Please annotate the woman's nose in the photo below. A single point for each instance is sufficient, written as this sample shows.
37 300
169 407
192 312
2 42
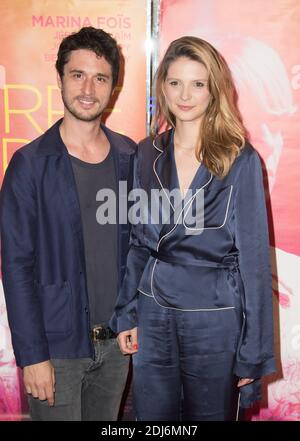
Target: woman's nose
185 93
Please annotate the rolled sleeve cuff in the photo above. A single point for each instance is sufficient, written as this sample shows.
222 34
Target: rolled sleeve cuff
250 393
249 370
123 322
29 357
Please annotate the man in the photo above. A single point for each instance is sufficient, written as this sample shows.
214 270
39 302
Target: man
61 267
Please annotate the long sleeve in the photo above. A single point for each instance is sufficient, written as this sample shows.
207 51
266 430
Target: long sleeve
125 316
255 356
18 250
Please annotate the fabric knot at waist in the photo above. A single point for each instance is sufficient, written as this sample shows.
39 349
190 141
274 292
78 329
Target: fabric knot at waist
229 262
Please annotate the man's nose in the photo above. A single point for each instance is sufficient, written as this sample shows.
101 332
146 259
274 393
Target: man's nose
88 86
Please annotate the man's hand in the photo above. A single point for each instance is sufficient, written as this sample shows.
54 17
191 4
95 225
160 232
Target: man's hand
39 381
243 381
128 341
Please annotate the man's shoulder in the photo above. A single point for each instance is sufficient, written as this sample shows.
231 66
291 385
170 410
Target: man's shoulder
44 144
31 148
120 141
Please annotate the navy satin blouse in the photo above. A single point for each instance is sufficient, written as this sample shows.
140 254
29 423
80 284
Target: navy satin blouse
221 261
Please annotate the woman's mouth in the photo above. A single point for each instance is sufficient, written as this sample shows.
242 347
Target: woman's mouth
185 108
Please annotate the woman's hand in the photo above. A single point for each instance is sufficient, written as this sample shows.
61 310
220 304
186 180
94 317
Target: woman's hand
244 381
128 341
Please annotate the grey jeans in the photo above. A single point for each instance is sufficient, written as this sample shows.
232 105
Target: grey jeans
86 389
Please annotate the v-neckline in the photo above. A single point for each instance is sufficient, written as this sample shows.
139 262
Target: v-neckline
193 181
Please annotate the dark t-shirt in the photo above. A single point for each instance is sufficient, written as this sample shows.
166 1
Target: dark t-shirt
100 241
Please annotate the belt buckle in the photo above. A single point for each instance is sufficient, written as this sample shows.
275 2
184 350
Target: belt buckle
99 333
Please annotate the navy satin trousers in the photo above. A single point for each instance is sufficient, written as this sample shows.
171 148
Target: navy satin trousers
183 369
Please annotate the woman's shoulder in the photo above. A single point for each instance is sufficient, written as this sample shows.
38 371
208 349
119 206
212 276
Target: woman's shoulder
150 146
145 142
248 152
145 151
247 160
248 156
158 142
246 166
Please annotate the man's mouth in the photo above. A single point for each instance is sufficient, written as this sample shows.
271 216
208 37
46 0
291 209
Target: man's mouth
87 101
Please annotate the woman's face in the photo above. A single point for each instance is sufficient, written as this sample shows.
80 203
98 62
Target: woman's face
186 90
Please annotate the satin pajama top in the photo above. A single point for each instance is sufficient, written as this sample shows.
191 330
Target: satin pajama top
221 263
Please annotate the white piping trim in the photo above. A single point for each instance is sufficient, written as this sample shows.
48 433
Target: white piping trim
160 183
145 293
155 146
210 228
189 202
238 407
180 309
176 223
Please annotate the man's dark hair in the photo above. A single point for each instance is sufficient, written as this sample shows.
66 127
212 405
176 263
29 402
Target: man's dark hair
96 40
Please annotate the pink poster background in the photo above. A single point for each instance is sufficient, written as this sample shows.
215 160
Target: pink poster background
260 41
30 33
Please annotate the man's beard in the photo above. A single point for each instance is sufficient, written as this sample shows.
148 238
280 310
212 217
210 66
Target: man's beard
77 114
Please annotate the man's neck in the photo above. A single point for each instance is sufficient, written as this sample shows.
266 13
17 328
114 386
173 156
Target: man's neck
85 140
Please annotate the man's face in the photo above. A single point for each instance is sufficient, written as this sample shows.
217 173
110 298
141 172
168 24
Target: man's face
86 85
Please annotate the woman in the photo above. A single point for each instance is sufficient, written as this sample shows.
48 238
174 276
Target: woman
195 308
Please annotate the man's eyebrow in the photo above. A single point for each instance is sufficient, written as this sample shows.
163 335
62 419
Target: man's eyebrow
97 74
103 75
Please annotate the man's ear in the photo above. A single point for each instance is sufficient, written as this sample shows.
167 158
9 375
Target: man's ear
58 79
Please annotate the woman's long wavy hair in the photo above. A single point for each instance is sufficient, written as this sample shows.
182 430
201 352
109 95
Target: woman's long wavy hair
221 133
